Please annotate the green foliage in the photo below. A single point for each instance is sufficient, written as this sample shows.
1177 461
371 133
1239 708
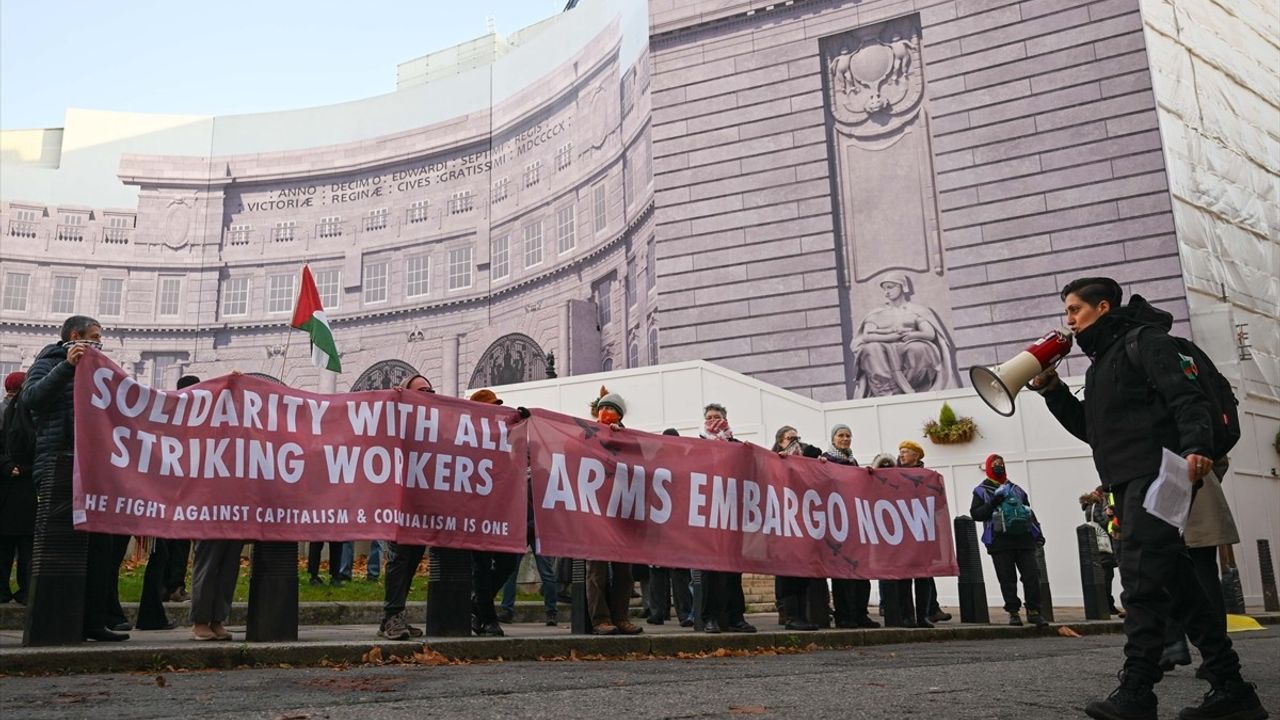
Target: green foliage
947 416
949 429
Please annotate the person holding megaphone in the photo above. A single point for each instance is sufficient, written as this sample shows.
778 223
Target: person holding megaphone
1138 403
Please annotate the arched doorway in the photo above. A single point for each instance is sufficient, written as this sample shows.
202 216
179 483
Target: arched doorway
513 358
383 375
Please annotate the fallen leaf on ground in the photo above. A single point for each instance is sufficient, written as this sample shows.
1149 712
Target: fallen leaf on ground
747 710
1065 631
160 681
373 656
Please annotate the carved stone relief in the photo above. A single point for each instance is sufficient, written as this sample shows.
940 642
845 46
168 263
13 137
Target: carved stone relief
897 315
513 358
383 375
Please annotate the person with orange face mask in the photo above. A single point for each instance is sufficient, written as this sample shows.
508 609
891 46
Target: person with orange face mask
609 584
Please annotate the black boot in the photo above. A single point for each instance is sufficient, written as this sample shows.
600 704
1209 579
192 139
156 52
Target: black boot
1133 700
791 609
1175 654
1234 700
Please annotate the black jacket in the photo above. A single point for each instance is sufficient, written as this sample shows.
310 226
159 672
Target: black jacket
47 394
1130 413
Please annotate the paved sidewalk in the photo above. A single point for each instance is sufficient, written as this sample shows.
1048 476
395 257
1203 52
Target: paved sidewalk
320 644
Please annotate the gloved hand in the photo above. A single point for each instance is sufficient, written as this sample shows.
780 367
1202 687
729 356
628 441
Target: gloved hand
524 411
1002 491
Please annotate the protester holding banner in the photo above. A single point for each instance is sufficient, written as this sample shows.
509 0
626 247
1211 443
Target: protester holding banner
722 597
489 570
924 611
791 592
17 491
47 394
849 596
609 584
402 564
667 584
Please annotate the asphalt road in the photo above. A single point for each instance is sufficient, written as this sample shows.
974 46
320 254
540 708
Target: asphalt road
1048 677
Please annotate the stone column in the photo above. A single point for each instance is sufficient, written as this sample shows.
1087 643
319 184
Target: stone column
449 367
562 342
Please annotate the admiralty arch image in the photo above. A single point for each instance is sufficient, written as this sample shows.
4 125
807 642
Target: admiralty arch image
847 200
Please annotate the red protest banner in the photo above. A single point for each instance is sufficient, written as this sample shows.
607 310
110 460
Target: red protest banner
237 457
636 497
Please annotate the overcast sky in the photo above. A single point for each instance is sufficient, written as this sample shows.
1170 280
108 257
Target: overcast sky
225 56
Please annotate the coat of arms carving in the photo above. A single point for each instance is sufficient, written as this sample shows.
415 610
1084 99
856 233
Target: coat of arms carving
876 83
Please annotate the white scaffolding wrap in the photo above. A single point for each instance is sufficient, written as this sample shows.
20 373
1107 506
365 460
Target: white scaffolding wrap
1216 75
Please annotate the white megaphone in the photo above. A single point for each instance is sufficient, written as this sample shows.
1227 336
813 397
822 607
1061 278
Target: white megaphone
999 385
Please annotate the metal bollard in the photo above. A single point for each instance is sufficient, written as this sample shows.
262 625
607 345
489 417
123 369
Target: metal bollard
579 614
972 587
695 579
55 602
448 593
273 593
1270 601
1092 579
1046 595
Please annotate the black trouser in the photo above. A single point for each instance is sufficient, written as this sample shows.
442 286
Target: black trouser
489 571
1161 581
722 598
119 548
174 564
1009 565
664 583
313 558
102 570
402 565
850 599
924 598
19 546
1206 564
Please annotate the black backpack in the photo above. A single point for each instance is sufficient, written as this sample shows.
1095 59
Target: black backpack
1222 401
19 434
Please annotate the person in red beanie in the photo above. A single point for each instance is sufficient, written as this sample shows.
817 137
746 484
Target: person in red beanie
1011 533
17 492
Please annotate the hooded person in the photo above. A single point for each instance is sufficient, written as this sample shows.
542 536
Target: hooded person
489 570
790 592
1010 533
609 584
17 491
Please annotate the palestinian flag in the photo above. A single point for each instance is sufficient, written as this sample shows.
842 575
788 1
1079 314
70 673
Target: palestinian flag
308 314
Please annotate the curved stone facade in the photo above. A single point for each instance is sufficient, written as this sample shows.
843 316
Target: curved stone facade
530 216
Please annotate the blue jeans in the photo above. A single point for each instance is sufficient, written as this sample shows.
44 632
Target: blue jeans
347 557
546 572
376 550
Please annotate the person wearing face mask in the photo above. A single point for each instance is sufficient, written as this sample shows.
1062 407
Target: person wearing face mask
1142 397
402 564
609 584
1010 535
723 604
791 592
